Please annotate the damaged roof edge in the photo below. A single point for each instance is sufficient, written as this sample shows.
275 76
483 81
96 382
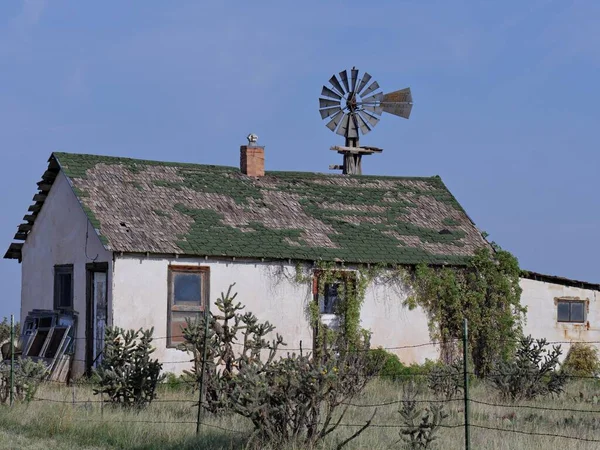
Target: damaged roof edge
23 230
553 279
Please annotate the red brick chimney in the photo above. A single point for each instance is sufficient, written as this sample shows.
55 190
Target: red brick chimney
252 158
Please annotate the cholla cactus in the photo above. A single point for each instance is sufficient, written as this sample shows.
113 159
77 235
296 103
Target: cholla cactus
127 374
27 377
292 398
419 426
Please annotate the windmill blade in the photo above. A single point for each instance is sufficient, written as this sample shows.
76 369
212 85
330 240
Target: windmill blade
335 120
370 118
354 78
398 109
336 84
401 96
377 109
375 98
352 126
364 128
365 79
325 103
328 112
344 78
343 128
374 85
326 92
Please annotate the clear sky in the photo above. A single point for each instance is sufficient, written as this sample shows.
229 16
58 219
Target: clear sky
506 101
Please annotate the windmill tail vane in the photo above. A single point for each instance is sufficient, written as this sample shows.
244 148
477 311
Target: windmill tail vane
353 106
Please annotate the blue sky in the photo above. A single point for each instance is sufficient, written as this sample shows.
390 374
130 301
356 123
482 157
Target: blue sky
506 101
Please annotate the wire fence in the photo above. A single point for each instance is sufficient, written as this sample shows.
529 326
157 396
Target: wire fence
472 408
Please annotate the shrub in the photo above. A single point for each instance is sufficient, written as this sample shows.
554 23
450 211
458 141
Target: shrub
446 380
582 361
292 399
5 330
419 426
388 366
27 377
127 374
531 373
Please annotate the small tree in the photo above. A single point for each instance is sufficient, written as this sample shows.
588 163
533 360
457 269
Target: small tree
294 398
531 373
127 374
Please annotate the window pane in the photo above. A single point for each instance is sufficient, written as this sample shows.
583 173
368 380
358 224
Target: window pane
187 288
178 323
577 312
563 311
64 299
330 298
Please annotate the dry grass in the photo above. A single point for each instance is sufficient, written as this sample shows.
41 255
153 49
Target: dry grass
169 423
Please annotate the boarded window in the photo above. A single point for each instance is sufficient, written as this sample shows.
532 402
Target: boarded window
63 287
571 311
188 295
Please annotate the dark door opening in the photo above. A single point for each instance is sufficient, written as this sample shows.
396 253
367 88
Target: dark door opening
96 313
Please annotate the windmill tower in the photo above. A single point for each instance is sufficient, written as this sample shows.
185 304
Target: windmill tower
353 106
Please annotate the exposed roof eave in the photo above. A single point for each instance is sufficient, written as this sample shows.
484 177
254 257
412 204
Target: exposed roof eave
560 280
23 230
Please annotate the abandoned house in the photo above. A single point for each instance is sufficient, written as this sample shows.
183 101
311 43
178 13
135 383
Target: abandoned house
136 243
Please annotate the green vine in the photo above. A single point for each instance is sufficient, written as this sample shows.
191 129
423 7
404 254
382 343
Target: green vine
352 287
486 292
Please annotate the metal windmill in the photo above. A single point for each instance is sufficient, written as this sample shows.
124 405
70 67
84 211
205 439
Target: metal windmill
353 106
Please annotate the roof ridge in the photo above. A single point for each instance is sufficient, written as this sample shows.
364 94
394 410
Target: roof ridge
58 155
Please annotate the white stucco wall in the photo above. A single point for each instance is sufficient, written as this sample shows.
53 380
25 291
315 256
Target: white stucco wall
541 297
140 293
59 237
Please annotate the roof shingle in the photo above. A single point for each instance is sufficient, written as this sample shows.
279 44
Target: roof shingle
160 207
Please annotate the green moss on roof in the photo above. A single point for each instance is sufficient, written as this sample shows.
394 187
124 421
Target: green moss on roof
217 211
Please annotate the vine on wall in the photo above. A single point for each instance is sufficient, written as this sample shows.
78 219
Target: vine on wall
352 287
486 292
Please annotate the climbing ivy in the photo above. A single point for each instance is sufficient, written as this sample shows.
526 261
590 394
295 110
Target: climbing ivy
486 292
352 287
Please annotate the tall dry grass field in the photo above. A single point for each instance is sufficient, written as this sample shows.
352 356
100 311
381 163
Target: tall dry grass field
73 418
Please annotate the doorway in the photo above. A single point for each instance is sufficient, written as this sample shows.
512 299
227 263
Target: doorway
96 313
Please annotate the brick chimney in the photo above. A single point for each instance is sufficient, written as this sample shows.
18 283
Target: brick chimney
252 158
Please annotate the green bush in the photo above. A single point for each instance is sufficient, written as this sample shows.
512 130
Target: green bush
183 382
127 374
388 366
446 380
27 377
582 361
532 373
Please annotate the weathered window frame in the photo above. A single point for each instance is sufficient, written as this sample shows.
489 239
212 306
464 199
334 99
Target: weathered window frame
62 269
204 273
346 276
570 302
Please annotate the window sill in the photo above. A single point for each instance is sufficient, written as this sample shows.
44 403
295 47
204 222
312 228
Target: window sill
331 320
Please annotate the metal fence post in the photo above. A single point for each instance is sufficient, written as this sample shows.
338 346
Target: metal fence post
466 381
12 358
203 367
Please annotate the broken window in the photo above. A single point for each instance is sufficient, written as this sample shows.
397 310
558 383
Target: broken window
333 287
188 295
571 311
63 286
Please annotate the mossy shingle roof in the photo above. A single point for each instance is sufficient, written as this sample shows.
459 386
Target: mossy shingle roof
192 209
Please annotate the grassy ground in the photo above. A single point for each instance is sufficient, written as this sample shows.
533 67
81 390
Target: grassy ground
169 423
